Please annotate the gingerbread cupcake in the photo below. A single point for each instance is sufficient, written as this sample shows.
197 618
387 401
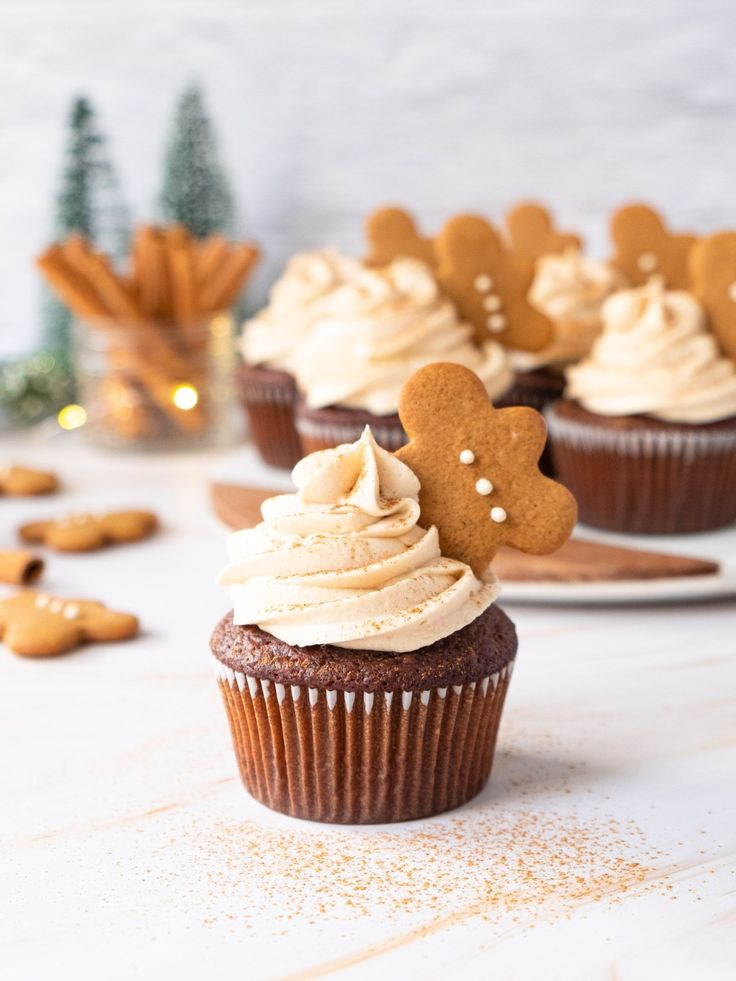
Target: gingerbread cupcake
365 664
566 286
646 438
269 344
374 331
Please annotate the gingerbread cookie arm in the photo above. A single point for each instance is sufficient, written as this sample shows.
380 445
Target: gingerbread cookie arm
644 247
713 272
532 233
24 482
478 469
128 526
488 286
101 624
392 234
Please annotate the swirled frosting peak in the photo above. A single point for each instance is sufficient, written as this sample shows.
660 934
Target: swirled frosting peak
380 327
655 357
344 562
569 288
296 300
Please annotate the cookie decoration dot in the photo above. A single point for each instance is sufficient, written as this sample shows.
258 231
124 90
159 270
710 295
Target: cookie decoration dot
467 457
483 283
496 322
498 514
484 486
647 262
492 303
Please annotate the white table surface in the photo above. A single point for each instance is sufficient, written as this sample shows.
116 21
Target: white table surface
604 846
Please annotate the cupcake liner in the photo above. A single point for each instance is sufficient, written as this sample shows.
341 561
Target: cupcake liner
322 433
269 398
647 480
359 757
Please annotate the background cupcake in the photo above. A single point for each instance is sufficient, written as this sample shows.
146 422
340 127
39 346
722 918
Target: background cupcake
269 344
646 440
373 332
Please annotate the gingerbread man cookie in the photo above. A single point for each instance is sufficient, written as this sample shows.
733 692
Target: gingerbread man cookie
85 531
488 285
391 234
25 482
644 247
713 272
37 625
532 233
478 469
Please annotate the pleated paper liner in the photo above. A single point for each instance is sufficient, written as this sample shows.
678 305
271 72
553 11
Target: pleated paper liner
363 757
269 397
647 480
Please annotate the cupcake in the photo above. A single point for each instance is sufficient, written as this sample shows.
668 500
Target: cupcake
646 439
564 285
265 378
374 331
363 668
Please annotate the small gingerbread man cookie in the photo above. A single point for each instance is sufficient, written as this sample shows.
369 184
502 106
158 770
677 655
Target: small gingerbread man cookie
37 625
25 482
713 272
85 531
488 285
478 469
393 234
532 233
643 247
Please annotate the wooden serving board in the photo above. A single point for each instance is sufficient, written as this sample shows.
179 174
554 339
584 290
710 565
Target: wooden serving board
238 506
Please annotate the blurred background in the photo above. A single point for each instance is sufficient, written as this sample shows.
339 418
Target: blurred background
324 109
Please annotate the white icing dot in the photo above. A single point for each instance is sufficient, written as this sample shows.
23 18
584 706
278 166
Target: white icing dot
483 283
71 611
647 262
498 515
496 322
483 486
55 606
467 456
492 303
42 600
732 292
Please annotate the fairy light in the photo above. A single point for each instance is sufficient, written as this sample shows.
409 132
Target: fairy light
185 397
72 416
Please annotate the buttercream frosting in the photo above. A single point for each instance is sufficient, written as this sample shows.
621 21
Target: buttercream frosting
569 288
296 300
343 562
381 326
655 357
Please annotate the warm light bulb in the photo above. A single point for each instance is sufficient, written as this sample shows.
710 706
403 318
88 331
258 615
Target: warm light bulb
185 397
72 417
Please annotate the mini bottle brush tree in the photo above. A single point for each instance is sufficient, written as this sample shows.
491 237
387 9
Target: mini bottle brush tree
90 202
195 190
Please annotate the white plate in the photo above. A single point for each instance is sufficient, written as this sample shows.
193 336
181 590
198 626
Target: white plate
244 467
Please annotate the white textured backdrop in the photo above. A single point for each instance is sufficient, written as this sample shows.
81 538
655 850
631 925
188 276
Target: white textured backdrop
325 108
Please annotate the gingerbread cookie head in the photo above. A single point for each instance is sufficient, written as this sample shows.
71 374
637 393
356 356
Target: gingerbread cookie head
392 234
478 469
488 285
25 482
85 531
532 233
643 247
713 272
38 625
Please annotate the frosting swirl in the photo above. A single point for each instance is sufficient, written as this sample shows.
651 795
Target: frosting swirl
296 300
569 288
380 327
344 562
655 357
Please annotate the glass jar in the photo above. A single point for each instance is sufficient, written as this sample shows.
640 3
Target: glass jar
144 384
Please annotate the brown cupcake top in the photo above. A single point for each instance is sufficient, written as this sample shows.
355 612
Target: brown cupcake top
476 651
